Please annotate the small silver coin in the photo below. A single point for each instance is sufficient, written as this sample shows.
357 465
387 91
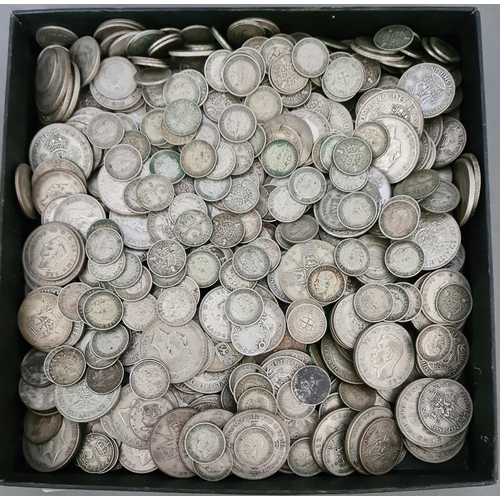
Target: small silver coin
401 302
110 344
193 228
237 123
104 246
251 262
399 219
176 306
357 211
257 398
310 57
198 158
376 135
244 307
454 302
357 397
352 257
106 380
149 379
105 130
166 258
393 38
306 322
41 429
352 156
279 158
404 259
205 443
334 455
155 192
289 406
65 365
203 267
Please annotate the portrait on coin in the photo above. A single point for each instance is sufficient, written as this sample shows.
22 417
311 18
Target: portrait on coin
53 252
388 351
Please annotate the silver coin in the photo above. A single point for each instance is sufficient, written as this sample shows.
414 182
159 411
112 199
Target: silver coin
352 155
181 348
216 471
283 207
420 185
257 398
205 443
289 406
454 302
439 237
404 259
32 369
445 392
96 454
155 192
80 404
68 298
166 258
198 158
310 57
281 369
384 355
334 455
106 380
105 130
357 397
342 88
237 123
301 460
452 142
149 379
176 306
372 461
123 162
352 257
332 422
357 211
307 185
110 344
426 80
136 292
399 219
66 442
307 323
193 228
137 461
139 314
392 38
241 74
264 435
65 365
251 262
104 246
376 135
310 385
445 199
265 103
37 399
243 196
145 413
41 429
181 86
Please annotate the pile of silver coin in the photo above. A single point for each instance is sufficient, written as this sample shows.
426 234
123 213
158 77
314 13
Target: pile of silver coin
249 257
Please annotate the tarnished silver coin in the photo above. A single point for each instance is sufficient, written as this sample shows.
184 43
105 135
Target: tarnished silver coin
380 462
341 89
306 322
32 369
289 406
110 344
300 458
37 399
145 413
104 246
149 379
310 57
193 228
448 394
310 385
105 130
166 258
106 380
65 365
352 155
237 123
41 429
241 74
198 158
352 257
384 355
97 453
334 455
375 135
399 219
257 398
55 453
103 310
251 262
164 442
155 192
123 162
244 307
357 397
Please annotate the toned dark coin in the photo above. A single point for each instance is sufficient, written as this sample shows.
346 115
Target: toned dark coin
40 429
311 385
106 380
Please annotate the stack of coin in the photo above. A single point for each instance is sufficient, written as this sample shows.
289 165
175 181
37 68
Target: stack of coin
249 260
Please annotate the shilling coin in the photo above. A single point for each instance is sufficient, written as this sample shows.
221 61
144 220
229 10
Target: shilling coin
371 460
283 207
66 442
445 392
182 117
334 456
352 257
265 102
407 417
310 385
80 404
181 348
149 379
384 355
404 259
40 321
431 85
181 86
205 443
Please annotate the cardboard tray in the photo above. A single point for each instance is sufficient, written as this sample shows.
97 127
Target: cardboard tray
477 462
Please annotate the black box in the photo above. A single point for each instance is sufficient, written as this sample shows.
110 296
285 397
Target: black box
477 462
